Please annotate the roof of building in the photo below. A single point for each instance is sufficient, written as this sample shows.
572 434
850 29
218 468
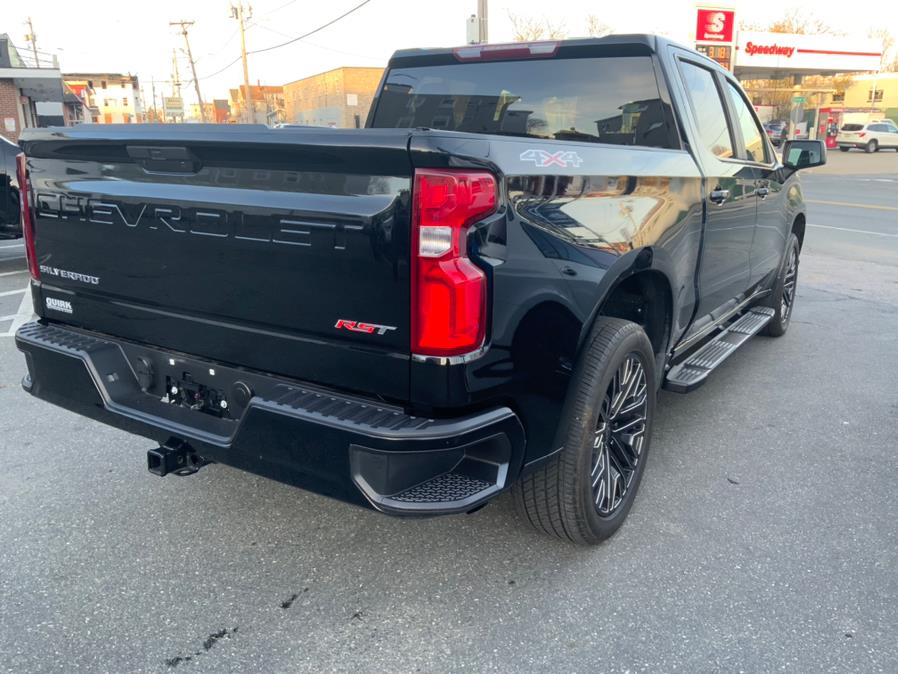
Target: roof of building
99 76
311 77
258 91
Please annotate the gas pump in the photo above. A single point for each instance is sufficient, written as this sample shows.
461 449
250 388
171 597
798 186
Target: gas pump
828 128
832 130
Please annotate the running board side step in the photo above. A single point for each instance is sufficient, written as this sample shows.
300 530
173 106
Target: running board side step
692 372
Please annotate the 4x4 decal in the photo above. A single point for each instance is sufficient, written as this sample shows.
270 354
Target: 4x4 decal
544 158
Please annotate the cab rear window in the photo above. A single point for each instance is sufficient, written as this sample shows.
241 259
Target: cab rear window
602 100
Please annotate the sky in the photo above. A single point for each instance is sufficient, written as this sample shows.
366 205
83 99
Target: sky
136 38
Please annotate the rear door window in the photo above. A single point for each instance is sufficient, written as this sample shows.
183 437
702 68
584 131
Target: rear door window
755 149
602 100
707 108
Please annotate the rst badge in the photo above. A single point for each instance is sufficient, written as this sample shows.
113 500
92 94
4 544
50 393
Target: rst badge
367 328
544 158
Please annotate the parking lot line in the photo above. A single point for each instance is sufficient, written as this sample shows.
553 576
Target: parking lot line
15 245
852 205
24 314
13 273
857 231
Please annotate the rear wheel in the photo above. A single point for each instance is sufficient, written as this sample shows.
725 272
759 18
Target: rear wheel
585 492
872 146
783 298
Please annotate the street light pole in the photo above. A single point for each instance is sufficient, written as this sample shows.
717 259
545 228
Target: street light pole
196 82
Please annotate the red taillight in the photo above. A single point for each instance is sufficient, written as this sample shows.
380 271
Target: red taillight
25 207
448 290
862 134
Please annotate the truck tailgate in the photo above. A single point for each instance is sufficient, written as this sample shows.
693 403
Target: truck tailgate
280 250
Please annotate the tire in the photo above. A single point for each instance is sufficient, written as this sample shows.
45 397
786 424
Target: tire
871 146
843 148
782 300
559 498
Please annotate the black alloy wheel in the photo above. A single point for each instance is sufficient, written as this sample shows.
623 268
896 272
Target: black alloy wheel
782 299
619 435
585 491
790 282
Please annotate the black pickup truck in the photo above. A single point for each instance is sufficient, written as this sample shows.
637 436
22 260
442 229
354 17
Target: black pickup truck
482 290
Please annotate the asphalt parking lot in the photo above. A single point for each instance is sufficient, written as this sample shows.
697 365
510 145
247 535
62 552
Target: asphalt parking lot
13 282
764 537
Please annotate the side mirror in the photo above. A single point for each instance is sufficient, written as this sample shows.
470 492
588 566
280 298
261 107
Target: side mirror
802 154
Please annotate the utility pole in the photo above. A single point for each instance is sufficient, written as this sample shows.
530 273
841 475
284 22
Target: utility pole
175 87
32 38
196 82
155 111
242 15
175 76
483 20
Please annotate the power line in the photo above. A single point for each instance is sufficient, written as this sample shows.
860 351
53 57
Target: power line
311 32
278 9
291 41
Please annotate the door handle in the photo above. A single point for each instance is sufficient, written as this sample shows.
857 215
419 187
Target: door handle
762 192
718 196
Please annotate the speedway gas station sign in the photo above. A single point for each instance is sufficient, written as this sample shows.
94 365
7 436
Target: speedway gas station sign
715 25
715 30
757 54
805 53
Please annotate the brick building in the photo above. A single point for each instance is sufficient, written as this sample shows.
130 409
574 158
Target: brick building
267 107
113 98
221 111
339 97
29 95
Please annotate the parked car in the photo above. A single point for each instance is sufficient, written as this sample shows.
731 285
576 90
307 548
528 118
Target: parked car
777 132
10 225
483 290
870 137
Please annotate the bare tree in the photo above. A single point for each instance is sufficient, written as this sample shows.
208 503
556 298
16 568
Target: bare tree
887 41
528 29
797 21
595 27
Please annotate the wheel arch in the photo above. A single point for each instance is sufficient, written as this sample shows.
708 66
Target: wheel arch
799 224
638 288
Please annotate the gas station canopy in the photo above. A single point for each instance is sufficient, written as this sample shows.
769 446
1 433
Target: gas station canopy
775 55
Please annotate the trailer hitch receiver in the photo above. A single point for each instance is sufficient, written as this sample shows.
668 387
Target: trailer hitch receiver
174 457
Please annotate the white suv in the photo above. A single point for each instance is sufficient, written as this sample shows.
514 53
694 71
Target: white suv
870 136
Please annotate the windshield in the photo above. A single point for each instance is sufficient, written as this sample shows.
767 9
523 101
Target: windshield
604 100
